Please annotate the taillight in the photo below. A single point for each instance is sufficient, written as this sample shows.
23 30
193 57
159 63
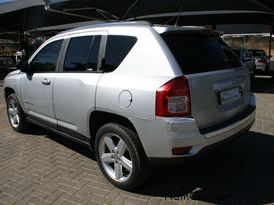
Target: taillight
173 98
261 61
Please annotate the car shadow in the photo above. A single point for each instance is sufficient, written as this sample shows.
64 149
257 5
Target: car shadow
263 84
81 149
240 172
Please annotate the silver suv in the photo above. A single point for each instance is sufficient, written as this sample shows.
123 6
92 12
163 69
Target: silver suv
136 94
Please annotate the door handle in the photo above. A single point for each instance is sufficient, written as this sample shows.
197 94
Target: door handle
46 82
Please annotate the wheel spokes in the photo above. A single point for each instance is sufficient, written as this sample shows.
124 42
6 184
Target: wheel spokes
121 147
107 158
11 111
12 102
118 171
110 144
127 164
115 157
17 119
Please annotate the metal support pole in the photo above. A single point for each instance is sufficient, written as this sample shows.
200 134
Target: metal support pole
270 44
269 69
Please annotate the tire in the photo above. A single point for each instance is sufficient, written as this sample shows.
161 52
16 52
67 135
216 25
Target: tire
252 79
16 115
252 82
116 157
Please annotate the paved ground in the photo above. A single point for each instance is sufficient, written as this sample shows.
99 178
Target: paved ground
42 168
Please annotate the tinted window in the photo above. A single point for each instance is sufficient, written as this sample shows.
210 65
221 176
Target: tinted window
82 54
116 50
237 52
94 53
46 59
246 54
257 53
197 53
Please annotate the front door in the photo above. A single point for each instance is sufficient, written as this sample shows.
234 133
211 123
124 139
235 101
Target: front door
37 85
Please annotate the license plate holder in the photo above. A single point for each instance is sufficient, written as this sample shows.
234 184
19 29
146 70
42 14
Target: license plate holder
230 95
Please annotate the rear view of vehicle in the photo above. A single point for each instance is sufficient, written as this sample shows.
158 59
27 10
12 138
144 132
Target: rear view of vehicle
204 100
261 60
219 86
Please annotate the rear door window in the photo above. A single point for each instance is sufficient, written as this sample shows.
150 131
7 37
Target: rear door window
82 54
117 49
197 53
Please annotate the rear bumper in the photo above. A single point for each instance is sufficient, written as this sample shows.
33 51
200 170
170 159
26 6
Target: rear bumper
183 132
172 161
231 126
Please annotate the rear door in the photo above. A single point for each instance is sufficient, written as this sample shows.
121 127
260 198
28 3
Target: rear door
75 84
219 85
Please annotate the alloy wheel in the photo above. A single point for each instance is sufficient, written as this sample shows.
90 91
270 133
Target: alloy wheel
115 157
13 113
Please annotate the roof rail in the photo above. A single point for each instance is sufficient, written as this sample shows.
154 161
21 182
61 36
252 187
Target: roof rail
108 23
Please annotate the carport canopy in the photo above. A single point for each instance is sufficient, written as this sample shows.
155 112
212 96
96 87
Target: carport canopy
18 15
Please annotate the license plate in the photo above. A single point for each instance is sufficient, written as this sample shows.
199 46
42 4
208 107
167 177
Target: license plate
230 95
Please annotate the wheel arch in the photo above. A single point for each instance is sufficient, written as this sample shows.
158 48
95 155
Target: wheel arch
8 91
99 118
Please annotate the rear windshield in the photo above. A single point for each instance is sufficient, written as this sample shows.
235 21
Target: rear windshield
197 53
257 53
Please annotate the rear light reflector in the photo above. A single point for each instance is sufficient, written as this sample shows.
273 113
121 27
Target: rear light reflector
181 150
173 98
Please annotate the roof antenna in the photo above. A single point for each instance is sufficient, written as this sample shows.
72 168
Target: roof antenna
178 17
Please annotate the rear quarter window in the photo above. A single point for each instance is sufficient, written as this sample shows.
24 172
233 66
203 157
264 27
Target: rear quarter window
257 53
197 53
117 49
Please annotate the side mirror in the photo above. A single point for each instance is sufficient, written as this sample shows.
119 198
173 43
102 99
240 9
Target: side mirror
23 66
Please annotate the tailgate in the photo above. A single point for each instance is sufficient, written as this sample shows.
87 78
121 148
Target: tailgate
219 84
218 96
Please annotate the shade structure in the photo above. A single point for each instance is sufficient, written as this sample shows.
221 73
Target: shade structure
191 11
143 9
24 15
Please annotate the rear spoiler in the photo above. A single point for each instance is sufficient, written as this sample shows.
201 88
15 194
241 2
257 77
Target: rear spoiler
203 31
